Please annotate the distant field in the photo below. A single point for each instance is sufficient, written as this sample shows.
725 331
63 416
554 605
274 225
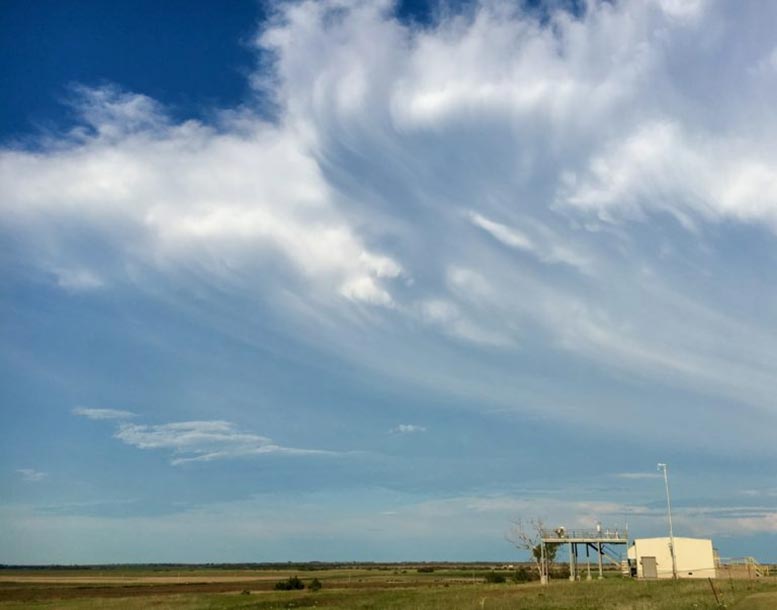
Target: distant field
365 588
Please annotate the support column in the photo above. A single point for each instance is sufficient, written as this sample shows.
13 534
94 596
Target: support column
588 562
577 561
571 562
599 557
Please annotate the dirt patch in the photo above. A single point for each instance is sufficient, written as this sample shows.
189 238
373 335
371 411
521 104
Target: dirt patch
132 580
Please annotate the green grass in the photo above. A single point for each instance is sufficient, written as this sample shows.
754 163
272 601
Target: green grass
758 601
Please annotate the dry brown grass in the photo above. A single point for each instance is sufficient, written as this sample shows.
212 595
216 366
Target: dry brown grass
365 589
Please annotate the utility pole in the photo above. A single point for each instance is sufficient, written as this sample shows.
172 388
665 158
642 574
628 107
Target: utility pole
669 513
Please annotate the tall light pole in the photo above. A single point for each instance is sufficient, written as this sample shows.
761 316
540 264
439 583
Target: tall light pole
669 512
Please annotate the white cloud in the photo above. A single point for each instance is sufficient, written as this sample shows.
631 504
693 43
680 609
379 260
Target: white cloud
548 248
763 523
659 167
101 414
204 441
510 237
407 429
189 195
366 289
421 173
683 9
31 475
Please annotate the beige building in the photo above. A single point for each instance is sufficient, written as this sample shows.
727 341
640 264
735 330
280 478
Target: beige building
652 558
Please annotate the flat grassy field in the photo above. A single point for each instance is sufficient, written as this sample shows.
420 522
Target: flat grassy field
386 587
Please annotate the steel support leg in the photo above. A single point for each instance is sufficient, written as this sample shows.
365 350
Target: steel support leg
599 557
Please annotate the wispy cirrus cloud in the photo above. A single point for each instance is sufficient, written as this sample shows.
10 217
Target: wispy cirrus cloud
756 493
393 523
728 520
523 186
636 476
205 441
31 475
546 247
192 441
102 414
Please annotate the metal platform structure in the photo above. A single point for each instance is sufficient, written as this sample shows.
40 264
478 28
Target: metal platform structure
599 541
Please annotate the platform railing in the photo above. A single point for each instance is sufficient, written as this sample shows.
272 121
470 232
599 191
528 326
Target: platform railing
562 534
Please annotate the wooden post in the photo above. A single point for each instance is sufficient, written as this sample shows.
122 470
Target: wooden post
714 592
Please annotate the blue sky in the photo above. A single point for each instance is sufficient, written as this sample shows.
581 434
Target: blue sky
365 281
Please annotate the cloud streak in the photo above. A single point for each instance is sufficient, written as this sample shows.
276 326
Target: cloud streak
31 475
205 441
637 476
407 429
102 414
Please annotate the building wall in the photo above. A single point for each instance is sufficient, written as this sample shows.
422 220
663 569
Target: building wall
694 556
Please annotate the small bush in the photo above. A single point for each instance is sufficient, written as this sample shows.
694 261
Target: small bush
523 574
425 569
291 584
315 585
495 577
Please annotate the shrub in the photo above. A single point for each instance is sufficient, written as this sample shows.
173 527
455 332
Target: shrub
315 585
495 577
291 584
523 574
425 569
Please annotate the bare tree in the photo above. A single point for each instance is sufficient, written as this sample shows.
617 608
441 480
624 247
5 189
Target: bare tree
528 537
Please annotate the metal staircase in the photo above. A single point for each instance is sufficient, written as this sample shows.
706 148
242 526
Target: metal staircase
755 569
